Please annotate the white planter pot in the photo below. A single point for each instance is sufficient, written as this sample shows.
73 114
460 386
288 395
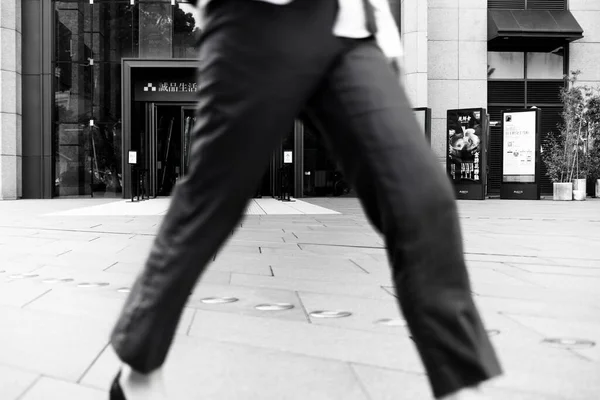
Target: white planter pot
579 195
563 191
579 189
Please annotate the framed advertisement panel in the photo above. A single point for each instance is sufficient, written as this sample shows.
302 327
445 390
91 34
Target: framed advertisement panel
521 141
466 152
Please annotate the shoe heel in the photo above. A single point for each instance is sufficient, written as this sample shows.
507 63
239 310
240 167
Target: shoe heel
116 392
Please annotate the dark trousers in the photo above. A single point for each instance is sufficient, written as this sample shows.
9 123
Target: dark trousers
260 66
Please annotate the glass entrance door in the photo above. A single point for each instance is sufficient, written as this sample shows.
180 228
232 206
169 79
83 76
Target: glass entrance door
188 116
168 145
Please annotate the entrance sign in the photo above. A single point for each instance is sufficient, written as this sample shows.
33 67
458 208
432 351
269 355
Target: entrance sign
161 85
132 157
466 161
287 157
521 154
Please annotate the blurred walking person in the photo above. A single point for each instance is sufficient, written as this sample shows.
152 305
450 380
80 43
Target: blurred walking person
262 63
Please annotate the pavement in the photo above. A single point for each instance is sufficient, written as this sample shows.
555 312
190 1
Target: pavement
66 266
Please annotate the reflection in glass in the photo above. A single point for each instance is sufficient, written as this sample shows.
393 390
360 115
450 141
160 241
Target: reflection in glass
115 34
189 120
156 29
72 92
544 66
71 159
87 159
105 169
72 37
506 65
187 26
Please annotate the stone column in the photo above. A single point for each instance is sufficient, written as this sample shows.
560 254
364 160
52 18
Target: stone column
585 53
413 28
457 60
10 100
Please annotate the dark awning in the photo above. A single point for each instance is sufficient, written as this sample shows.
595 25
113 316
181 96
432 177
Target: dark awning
539 30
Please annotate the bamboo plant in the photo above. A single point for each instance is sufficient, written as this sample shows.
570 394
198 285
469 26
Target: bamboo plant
574 153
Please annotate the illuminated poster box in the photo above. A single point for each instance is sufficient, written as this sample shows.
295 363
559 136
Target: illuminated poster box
521 154
466 152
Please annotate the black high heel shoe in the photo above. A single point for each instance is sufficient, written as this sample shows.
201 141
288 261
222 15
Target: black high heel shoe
116 392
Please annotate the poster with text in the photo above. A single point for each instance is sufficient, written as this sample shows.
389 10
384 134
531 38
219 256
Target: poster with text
465 133
519 145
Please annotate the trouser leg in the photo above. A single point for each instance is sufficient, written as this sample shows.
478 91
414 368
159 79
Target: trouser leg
252 84
408 198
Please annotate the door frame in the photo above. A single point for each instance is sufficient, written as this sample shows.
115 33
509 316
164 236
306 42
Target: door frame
152 137
128 66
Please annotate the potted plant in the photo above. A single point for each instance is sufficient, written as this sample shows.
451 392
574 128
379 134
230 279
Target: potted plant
558 163
593 127
568 156
594 171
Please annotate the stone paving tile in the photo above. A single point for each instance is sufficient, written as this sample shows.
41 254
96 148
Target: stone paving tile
261 235
342 238
510 252
81 259
332 343
215 370
357 290
557 270
365 313
370 265
345 275
531 293
348 251
18 293
299 259
579 284
26 243
81 275
385 384
237 249
582 329
556 309
50 389
564 378
14 381
505 258
70 301
289 251
388 384
248 299
576 262
241 268
496 277
102 306
50 344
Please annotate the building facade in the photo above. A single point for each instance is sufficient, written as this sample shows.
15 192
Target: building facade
498 55
87 82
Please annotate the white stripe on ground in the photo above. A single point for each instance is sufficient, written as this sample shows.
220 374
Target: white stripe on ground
159 207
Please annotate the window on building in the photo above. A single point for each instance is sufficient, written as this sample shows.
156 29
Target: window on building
528 4
521 65
506 65
545 65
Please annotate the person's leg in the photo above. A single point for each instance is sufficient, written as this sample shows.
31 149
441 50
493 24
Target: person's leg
259 63
408 198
